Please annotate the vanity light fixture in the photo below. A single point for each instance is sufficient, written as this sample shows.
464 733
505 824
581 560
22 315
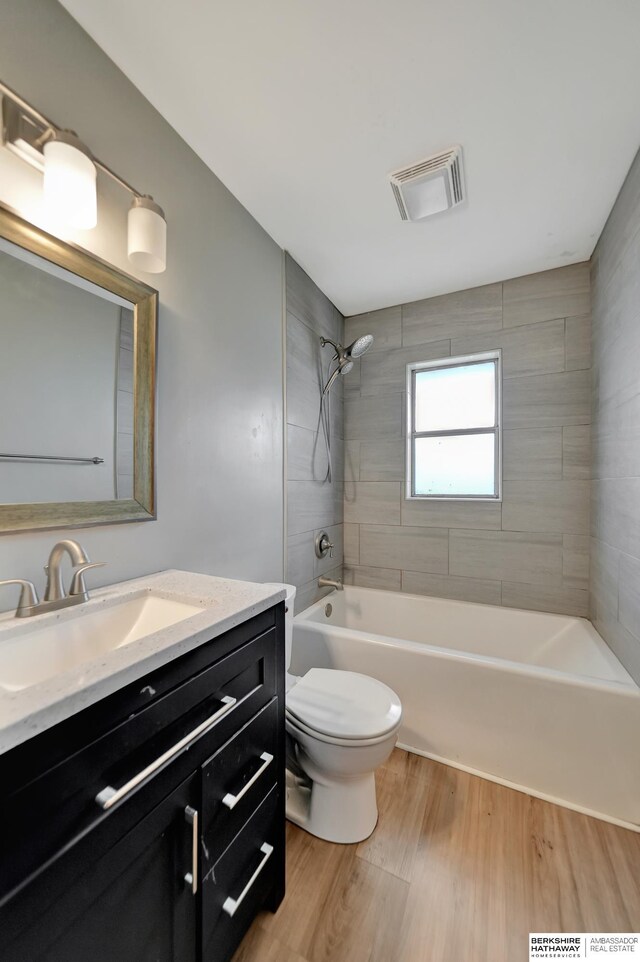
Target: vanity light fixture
147 235
70 180
70 173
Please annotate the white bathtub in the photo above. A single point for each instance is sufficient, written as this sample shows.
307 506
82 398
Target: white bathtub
531 700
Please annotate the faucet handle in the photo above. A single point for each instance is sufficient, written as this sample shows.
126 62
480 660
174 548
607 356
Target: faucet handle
324 545
78 587
28 595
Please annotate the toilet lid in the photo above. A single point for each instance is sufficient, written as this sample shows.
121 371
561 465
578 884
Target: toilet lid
344 704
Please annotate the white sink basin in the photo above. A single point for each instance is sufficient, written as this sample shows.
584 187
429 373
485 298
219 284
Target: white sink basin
80 636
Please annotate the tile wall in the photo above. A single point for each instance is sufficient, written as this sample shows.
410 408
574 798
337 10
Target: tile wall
314 503
531 551
615 514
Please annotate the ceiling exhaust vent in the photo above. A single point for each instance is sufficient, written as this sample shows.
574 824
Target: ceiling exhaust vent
430 186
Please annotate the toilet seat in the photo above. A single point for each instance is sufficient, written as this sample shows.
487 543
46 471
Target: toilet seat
343 707
296 729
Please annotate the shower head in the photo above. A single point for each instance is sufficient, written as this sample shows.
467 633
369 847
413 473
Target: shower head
360 346
345 355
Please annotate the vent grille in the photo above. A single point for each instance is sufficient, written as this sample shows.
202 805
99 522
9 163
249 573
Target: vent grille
399 201
446 164
425 166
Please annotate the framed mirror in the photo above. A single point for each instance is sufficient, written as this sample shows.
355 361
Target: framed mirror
77 386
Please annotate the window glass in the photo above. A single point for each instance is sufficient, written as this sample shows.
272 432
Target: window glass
456 397
459 465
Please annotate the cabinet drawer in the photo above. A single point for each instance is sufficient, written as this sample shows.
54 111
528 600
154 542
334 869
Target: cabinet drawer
172 731
236 780
236 887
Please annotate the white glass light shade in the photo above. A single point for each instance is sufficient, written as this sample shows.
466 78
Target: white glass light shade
147 236
70 183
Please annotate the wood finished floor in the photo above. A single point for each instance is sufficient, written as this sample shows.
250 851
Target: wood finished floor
458 870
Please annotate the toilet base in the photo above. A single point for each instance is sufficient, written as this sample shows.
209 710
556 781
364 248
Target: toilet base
341 810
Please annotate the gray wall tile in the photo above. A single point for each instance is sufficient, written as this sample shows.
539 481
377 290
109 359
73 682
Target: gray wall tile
547 400
453 315
303 374
561 506
445 586
615 513
604 581
616 437
306 454
372 502
311 504
532 454
386 373
576 452
385 578
385 325
629 594
382 460
452 514
563 292
619 231
352 451
561 599
575 561
373 418
506 556
415 549
351 544
578 343
526 350
300 555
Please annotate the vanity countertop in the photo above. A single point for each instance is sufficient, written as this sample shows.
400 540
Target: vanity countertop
225 603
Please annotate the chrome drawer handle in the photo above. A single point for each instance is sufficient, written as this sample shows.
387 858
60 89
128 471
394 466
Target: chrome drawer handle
232 800
191 878
230 906
109 795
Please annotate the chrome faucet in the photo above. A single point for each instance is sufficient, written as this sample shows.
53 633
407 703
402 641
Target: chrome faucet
54 595
330 583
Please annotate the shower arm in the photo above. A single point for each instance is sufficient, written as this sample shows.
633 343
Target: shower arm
327 340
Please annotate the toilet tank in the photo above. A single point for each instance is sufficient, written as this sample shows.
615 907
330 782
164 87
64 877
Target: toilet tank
289 602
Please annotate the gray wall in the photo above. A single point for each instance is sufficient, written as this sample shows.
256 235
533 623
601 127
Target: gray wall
531 551
220 401
615 516
313 503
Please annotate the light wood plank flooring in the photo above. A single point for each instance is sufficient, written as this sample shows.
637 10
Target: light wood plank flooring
458 870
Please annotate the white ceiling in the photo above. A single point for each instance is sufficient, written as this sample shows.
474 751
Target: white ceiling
302 108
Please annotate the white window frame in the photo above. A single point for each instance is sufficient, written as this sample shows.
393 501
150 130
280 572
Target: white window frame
411 434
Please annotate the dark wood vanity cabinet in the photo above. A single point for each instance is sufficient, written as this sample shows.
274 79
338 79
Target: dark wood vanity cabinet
168 867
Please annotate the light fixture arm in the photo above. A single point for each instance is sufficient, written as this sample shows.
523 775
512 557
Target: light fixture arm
51 129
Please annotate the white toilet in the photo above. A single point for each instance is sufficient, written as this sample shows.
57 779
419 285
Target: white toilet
342 726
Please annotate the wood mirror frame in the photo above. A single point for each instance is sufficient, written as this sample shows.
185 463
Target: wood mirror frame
142 507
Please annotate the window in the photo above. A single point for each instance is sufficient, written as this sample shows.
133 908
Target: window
453 428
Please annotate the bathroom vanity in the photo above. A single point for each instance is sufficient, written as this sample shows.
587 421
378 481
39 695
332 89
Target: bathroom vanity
142 791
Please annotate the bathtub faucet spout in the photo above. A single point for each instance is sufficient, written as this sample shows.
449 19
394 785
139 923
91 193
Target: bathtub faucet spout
329 583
